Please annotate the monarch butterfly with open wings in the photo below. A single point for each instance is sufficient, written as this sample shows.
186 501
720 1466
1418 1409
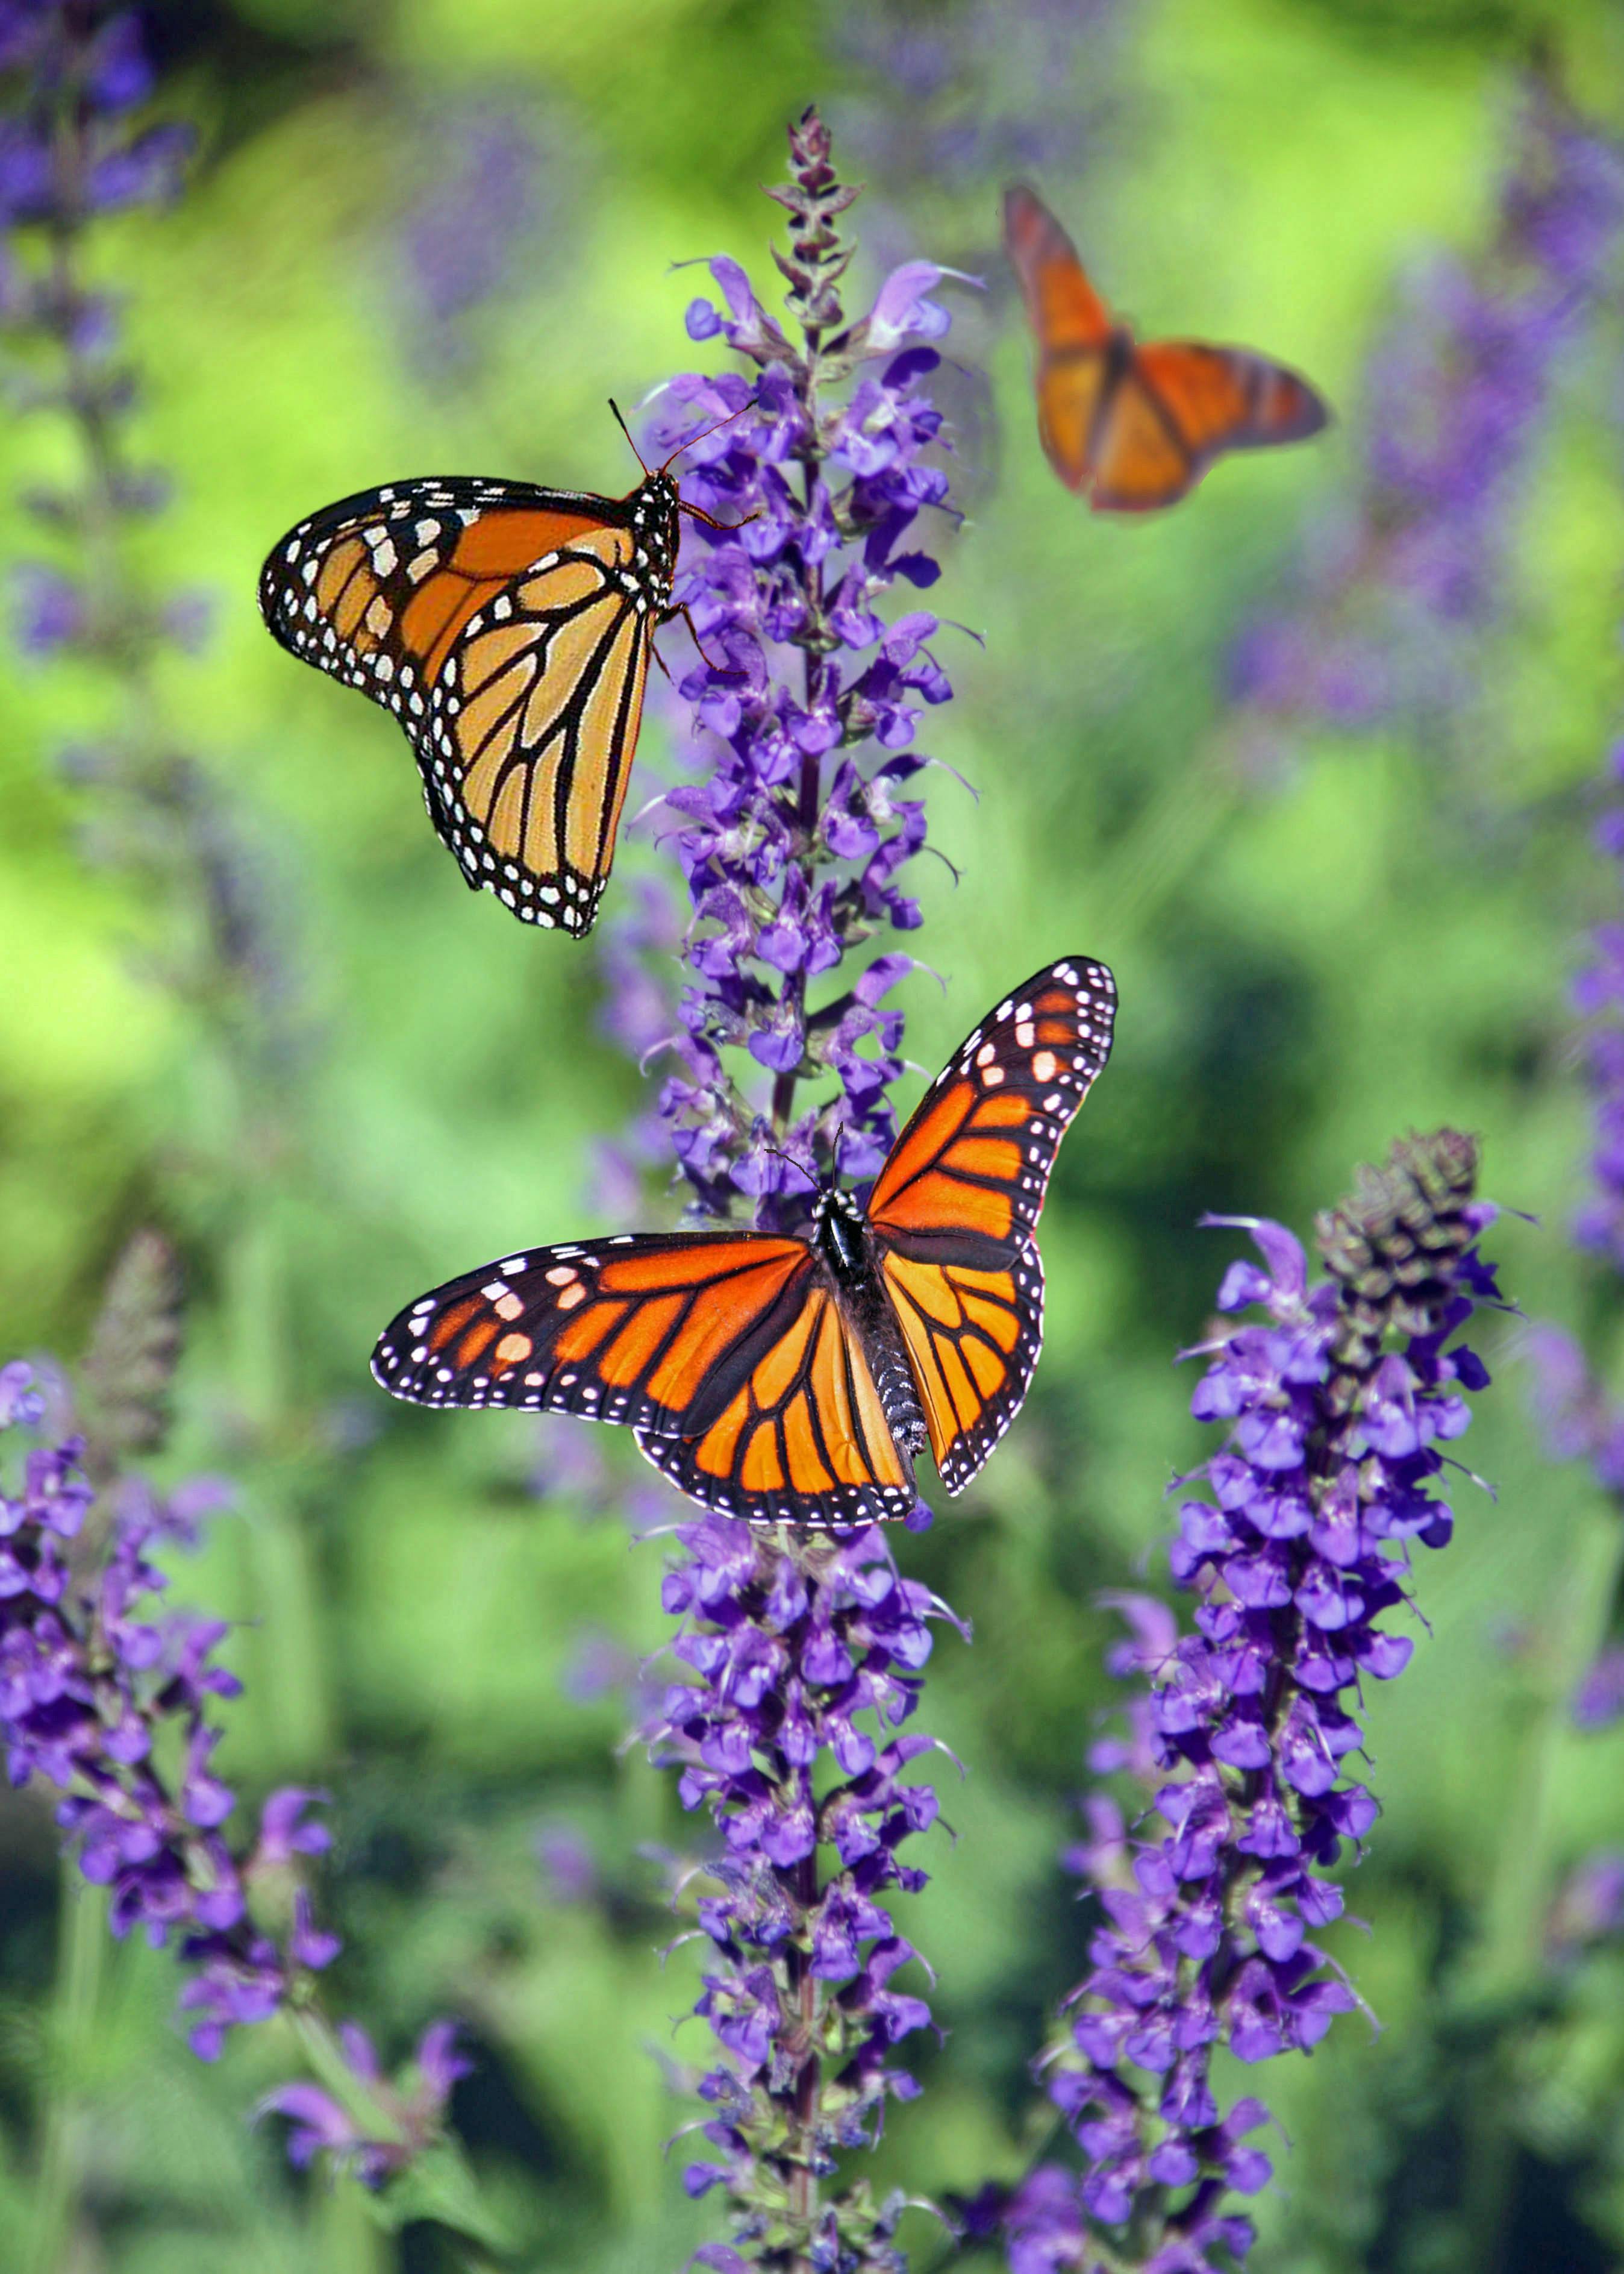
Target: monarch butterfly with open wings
1134 426
509 629
797 1380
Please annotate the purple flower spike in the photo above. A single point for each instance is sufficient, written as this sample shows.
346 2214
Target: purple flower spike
804 1654
99 1681
791 1642
806 701
1244 1726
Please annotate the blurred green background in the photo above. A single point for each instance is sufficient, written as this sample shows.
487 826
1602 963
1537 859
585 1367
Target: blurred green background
1378 937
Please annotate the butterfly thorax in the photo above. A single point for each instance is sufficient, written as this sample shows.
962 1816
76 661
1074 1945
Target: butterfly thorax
844 1245
656 530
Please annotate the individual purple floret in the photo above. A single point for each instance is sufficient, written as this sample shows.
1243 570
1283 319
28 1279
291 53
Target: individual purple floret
366 2124
1337 1403
1458 390
795 840
808 1655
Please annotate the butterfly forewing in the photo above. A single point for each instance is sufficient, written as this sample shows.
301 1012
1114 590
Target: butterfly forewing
728 1353
973 1164
640 1328
507 629
956 1207
1065 310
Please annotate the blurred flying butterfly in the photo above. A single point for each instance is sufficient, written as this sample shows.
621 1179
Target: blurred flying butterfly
509 629
792 1378
1134 426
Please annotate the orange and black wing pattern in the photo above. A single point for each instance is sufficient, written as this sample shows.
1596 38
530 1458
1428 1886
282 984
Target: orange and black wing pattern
954 1211
727 1353
508 629
803 1437
1135 427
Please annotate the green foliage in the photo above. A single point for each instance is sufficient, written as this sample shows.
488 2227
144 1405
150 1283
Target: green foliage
1308 967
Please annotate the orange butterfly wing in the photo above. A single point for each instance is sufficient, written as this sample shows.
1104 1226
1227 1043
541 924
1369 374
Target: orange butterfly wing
507 629
803 1437
1137 427
955 1208
1179 406
726 1353
1078 341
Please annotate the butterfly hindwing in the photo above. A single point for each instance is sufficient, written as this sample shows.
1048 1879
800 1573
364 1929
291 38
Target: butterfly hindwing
955 1209
973 1338
803 1438
509 629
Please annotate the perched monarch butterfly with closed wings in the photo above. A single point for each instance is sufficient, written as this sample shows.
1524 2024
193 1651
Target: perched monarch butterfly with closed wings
509 629
1134 426
797 1380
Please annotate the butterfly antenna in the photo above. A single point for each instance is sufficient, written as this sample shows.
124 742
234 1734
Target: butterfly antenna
793 1162
632 439
704 431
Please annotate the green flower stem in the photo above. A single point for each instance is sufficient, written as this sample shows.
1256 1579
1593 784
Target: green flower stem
73 2034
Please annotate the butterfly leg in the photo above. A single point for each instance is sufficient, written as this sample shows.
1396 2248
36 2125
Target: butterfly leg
698 513
723 670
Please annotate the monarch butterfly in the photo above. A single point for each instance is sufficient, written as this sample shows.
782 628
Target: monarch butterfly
792 1378
509 629
1136 426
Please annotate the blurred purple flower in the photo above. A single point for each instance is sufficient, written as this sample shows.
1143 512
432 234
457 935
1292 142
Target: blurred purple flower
377 2128
1598 1701
1590 1907
1337 1406
477 221
70 154
1457 393
568 1865
98 1682
994 88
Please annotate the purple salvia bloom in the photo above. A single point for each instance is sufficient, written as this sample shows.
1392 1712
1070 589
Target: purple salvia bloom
99 1683
1336 1401
790 1643
808 701
93 1669
366 2124
802 1656
1458 389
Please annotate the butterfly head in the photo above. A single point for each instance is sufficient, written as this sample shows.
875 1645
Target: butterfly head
838 1229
